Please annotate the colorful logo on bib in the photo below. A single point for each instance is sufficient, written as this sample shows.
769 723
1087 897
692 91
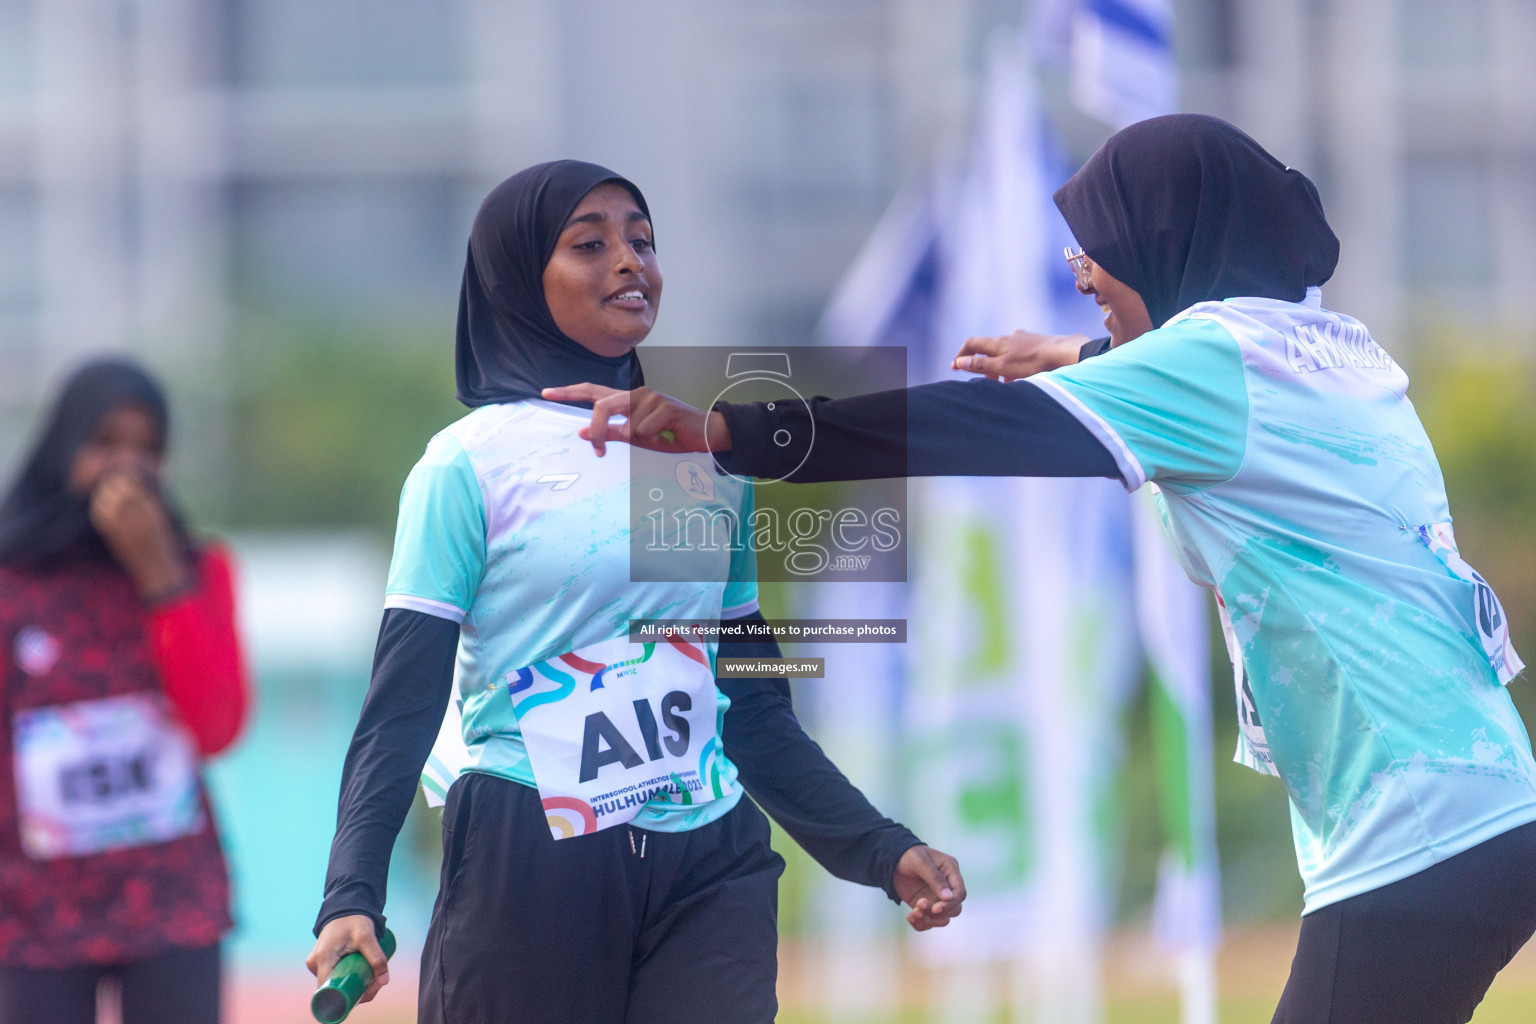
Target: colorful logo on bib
569 816
37 650
619 669
565 683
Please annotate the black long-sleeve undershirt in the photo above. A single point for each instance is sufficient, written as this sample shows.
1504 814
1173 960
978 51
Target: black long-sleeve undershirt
1096 347
407 696
781 767
950 428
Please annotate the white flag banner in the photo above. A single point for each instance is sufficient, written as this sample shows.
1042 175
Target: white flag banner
1123 68
855 712
1021 659
1171 615
1172 618
970 753
886 298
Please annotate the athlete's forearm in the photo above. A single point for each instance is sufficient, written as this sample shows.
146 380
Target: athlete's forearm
411 683
795 782
951 428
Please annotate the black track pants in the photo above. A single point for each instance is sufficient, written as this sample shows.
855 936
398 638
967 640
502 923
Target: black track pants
180 986
623 926
1422 950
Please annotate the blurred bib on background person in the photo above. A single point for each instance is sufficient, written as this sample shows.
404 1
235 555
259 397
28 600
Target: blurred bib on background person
103 774
614 725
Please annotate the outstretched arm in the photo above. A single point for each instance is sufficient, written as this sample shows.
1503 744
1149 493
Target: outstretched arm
951 428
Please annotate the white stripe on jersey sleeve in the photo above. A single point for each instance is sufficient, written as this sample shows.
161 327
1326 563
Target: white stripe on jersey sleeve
1130 466
739 611
437 609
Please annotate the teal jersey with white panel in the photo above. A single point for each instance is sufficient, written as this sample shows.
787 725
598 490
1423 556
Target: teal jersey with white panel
1296 481
511 526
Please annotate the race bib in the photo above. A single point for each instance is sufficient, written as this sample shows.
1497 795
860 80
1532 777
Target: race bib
1252 744
103 774
1487 613
616 724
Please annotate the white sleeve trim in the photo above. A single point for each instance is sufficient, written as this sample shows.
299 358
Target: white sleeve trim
437 609
739 611
1130 467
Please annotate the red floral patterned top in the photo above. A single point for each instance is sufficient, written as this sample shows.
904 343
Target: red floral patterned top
76 633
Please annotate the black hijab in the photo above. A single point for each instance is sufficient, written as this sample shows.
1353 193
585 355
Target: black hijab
41 519
508 346
1186 208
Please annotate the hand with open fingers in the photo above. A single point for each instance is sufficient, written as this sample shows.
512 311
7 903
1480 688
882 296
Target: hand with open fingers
1017 355
929 882
652 420
349 934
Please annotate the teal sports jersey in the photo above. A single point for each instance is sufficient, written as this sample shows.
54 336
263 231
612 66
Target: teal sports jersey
511 526
1296 481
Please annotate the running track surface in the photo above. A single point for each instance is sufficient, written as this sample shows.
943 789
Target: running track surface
1252 966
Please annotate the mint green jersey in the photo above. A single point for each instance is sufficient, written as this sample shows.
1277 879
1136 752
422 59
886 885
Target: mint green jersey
511 526
1296 481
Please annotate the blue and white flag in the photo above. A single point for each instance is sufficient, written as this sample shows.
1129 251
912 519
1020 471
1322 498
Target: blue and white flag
1123 68
888 297
1020 655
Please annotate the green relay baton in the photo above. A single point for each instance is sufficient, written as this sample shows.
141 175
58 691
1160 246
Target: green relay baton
348 980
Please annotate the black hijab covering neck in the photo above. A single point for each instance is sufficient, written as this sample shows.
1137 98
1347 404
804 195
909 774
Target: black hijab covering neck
508 346
41 519
1187 208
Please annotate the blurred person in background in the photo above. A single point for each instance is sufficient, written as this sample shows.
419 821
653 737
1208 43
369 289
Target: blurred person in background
1295 480
121 672
512 554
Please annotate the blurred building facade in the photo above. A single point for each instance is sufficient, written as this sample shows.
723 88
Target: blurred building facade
171 169
1417 119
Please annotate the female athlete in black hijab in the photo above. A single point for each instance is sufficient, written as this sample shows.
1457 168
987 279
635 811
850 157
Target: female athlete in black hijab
1298 484
672 917
509 346
1187 208
43 517
121 664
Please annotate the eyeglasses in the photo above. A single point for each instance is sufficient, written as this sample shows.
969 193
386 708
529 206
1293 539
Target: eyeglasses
1081 265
